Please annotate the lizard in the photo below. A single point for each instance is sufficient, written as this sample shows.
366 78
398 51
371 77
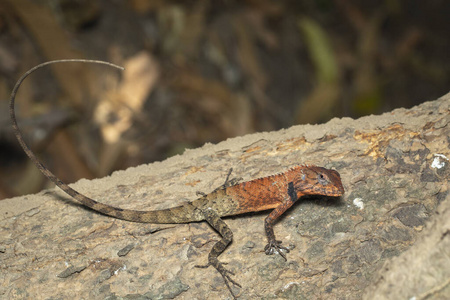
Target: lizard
277 192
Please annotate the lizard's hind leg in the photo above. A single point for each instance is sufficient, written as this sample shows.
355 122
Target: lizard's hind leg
228 182
218 224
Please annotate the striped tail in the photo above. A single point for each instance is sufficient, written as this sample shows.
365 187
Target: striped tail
180 214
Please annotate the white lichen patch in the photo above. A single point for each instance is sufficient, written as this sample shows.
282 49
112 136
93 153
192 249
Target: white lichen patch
439 161
358 202
122 268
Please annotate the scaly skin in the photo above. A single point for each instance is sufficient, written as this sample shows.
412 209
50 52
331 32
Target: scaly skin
278 192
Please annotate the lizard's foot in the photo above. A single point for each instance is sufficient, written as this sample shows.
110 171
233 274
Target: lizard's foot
275 246
226 274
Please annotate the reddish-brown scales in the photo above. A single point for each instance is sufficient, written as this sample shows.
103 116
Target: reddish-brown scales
259 194
277 192
269 192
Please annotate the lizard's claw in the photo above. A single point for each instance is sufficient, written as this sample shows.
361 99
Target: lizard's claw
226 274
275 246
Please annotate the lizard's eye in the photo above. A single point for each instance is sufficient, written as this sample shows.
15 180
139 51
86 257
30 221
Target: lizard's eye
322 179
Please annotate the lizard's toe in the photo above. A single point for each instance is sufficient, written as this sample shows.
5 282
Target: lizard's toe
225 273
275 247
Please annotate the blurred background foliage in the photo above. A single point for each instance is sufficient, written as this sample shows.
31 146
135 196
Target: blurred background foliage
202 71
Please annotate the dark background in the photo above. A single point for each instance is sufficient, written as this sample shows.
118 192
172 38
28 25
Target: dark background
202 71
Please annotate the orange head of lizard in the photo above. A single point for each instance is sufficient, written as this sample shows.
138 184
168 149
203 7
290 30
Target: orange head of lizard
313 180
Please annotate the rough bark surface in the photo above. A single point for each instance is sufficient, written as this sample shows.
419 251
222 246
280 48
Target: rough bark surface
388 237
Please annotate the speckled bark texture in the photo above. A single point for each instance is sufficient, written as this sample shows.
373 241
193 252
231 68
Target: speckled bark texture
387 237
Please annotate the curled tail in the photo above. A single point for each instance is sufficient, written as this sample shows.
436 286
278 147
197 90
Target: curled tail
180 214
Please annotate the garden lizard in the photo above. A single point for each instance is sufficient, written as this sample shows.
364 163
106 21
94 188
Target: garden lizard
278 192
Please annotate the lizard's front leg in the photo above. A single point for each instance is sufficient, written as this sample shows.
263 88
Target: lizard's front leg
274 245
218 224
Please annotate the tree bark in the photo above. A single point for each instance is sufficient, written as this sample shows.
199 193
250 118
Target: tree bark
387 237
